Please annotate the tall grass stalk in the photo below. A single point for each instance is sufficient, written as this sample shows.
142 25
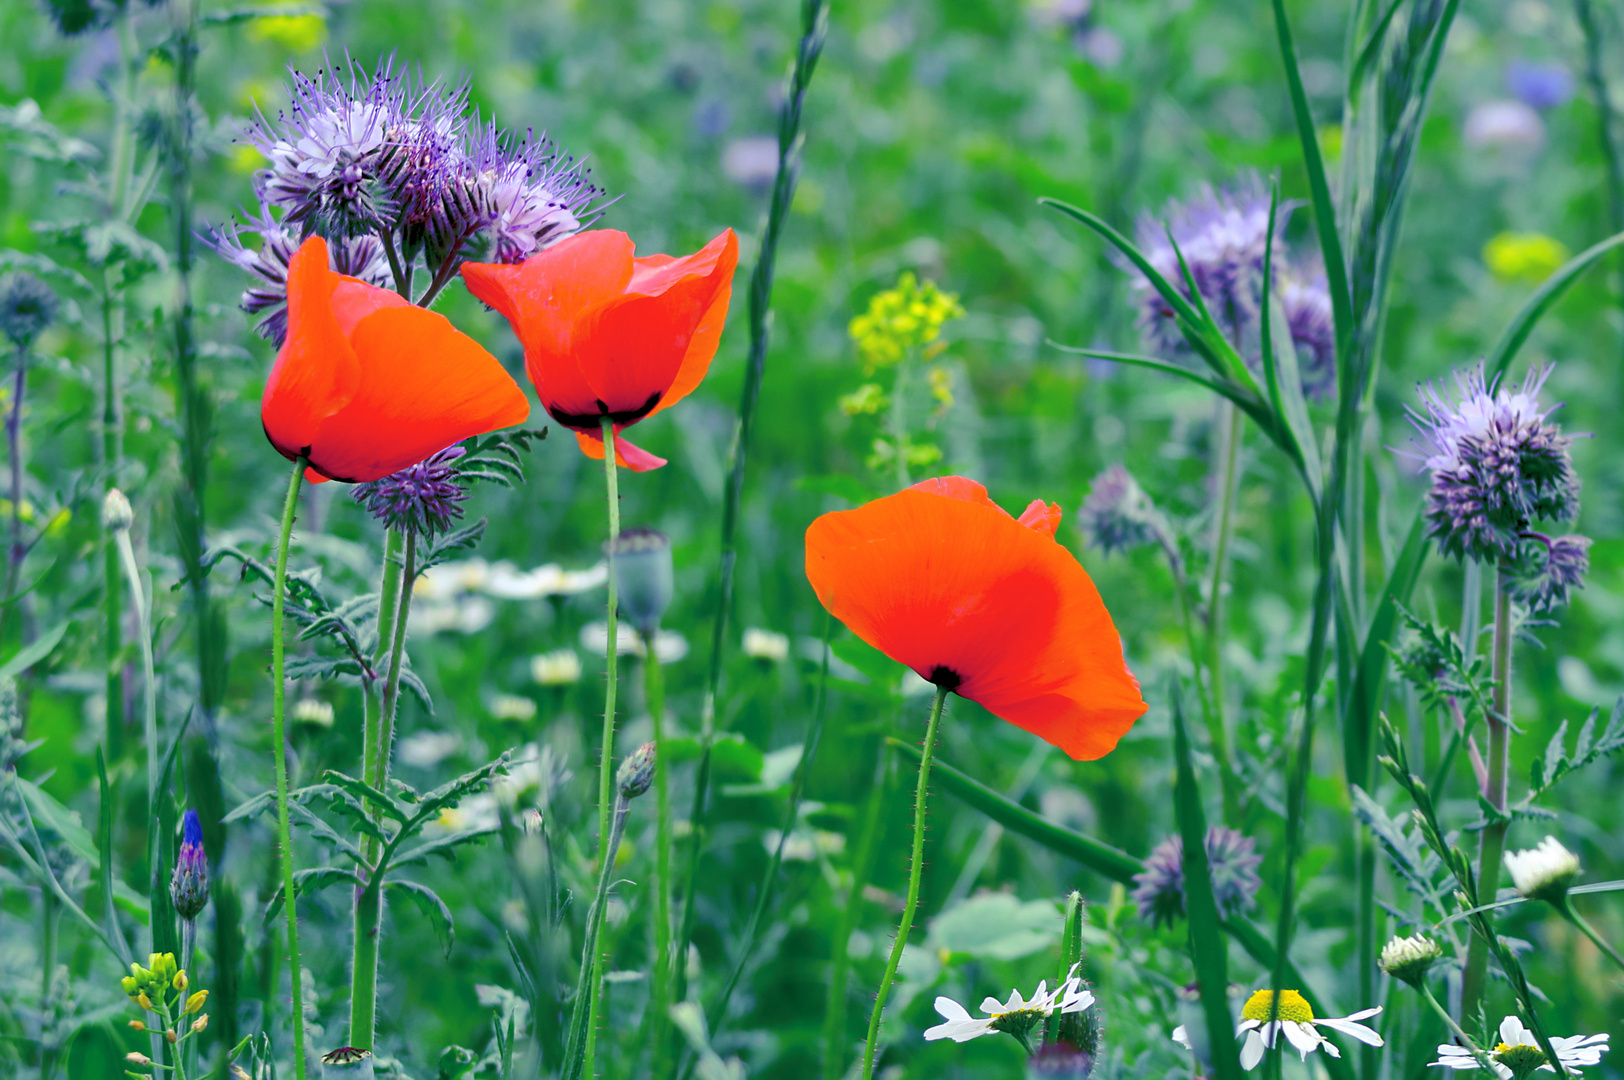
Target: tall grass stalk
916 866
284 834
1606 131
814 25
1231 430
1492 847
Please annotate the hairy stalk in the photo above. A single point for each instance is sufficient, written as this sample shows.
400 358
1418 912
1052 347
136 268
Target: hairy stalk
371 712
14 447
113 635
47 952
606 758
1492 847
390 704
1230 424
916 867
284 833
1596 76
149 683
659 1033
814 23
1578 920
1466 1040
578 1048
862 865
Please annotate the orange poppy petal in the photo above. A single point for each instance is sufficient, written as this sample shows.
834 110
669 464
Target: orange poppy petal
638 343
627 456
707 335
316 372
1042 516
936 581
424 386
654 274
354 299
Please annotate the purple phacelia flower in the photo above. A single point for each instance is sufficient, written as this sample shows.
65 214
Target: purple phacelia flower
519 196
1540 86
424 498
1117 515
1232 862
1548 569
189 885
1498 465
1305 301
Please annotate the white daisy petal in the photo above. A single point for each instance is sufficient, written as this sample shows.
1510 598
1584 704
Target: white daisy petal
1303 1037
1358 1031
1251 1051
1182 1037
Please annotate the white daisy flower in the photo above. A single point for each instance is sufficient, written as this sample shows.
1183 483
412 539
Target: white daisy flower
1297 1022
1518 1053
1544 872
1017 1016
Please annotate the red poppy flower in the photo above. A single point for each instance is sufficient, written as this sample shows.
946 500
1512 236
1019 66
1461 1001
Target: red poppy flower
367 383
608 334
940 578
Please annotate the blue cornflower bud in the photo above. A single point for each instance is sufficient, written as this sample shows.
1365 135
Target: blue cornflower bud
27 307
189 885
424 498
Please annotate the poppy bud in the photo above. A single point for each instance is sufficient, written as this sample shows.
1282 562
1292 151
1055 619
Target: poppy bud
117 514
640 561
636 772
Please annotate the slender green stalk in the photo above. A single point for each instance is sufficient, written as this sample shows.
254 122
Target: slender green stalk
1466 1040
606 758
1578 920
578 1049
371 718
284 833
1230 423
862 864
814 23
659 1033
1595 75
149 682
915 869
47 960
14 446
1492 847
397 655
113 643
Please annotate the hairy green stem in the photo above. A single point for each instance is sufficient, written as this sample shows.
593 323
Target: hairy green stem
862 863
284 833
659 1033
1230 423
149 687
390 705
1492 847
1466 1040
113 643
606 758
578 1047
916 867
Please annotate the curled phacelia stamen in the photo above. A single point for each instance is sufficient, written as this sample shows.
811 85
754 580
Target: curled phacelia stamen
424 498
1232 861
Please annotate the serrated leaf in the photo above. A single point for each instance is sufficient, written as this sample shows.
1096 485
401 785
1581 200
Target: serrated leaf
306 882
441 845
64 822
430 904
1415 864
252 808
367 793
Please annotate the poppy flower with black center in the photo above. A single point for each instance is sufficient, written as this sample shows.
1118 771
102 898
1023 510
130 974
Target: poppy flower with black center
608 334
941 578
367 383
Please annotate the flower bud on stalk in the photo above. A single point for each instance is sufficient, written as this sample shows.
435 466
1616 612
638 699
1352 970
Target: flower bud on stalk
189 885
1409 958
117 515
640 560
636 772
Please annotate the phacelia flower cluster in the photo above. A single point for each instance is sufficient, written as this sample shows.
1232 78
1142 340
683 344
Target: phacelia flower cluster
1223 235
391 170
1117 515
27 307
1499 465
424 498
1232 861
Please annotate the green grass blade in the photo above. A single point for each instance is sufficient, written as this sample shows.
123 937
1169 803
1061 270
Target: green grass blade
1336 266
1373 48
1522 324
1359 731
104 847
1208 949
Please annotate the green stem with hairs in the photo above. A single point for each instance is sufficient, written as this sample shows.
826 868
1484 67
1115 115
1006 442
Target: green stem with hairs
915 869
113 643
149 688
1493 845
654 686
606 768
1565 909
1230 424
284 833
1466 1040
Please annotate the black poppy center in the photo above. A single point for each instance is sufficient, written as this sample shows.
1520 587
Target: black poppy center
593 421
945 677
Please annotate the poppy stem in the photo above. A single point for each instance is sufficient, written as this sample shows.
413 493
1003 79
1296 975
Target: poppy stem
279 750
606 757
915 868
660 1037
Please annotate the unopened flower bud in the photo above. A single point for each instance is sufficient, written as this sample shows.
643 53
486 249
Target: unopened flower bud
636 772
640 562
181 981
239 1073
136 1025
195 1002
171 1038
530 822
27 307
1409 958
189 884
1544 872
129 984
117 515
200 1023
136 1057
144 1001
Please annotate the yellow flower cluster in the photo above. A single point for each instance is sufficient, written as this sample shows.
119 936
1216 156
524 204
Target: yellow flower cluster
902 318
1526 257
151 989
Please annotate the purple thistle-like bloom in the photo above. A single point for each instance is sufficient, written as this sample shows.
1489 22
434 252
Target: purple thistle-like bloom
522 195
424 498
1305 300
1498 465
1549 568
189 885
1222 234
1117 515
1540 86
1232 862
357 256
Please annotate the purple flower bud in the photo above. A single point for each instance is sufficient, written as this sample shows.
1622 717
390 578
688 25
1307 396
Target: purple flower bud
1117 515
189 885
1540 86
424 498
1547 569
1232 861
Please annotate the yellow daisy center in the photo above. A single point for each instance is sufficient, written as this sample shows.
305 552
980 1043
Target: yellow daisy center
1293 1006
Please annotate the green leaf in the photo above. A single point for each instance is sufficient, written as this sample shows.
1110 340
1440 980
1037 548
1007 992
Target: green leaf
430 904
366 793
1359 728
104 831
34 652
252 808
996 926
441 845
1372 49
64 822
309 881
1208 949
1522 324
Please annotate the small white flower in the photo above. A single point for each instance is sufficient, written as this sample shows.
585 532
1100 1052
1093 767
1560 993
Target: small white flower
1017 1015
762 644
1518 1050
1297 1023
1543 872
558 668
513 707
313 711
669 646
1409 958
427 749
